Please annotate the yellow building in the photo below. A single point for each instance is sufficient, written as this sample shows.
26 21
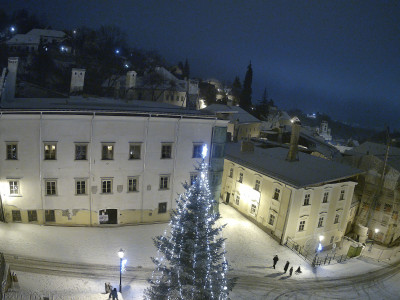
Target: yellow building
301 197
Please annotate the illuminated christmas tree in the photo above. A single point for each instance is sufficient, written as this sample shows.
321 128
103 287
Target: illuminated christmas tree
192 263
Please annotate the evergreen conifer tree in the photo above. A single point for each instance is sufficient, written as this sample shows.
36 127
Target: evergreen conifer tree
245 97
186 69
236 90
192 264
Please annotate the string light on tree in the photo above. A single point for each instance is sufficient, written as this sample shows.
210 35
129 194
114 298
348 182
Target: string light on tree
191 262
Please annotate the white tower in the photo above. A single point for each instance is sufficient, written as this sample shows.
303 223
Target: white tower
77 80
130 80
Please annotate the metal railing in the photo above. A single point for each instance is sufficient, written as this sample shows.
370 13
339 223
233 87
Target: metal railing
313 257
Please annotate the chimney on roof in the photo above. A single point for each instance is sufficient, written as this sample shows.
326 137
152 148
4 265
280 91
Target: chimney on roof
11 79
77 80
130 80
246 146
294 143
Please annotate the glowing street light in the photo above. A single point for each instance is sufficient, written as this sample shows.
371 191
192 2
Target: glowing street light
116 51
121 254
321 238
12 29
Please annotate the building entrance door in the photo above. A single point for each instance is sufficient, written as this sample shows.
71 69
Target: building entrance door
228 195
108 216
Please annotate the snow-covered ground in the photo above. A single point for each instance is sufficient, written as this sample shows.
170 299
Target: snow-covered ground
249 251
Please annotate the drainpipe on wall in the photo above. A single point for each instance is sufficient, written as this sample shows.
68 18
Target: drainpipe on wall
146 134
177 130
90 170
40 167
2 215
283 237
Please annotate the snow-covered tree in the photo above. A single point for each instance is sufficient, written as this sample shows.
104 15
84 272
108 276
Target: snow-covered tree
191 262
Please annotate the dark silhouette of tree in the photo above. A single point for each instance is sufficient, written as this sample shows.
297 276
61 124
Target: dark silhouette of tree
245 97
25 22
186 69
236 90
208 92
262 109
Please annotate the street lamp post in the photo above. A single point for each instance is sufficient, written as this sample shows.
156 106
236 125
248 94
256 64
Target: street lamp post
121 254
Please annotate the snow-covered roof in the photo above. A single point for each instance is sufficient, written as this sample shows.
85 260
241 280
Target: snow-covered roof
307 171
105 105
236 113
379 151
373 149
47 32
24 39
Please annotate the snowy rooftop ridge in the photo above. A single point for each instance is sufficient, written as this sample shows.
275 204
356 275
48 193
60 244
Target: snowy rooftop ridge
307 171
236 113
99 105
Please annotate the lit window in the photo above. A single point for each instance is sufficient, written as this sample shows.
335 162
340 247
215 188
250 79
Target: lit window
276 194
271 219
307 199
164 182
197 151
12 151
321 222
257 185
50 151
301 225
231 173
80 187
336 219
341 195
134 151
166 151
240 177
107 152
132 184
51 187
80 152
106 186
325 199
162 207
237 200
14 187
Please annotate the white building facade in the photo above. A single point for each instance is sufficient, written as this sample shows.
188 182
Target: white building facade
93 167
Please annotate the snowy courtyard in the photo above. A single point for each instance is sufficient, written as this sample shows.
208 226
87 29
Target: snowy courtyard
249 252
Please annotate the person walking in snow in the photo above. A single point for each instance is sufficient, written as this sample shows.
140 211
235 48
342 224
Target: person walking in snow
286 266
298 271
291 271
113 294
275 260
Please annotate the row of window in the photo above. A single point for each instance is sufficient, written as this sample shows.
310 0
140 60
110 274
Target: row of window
50 214
106 185
107 151
277 191
169 97
271 221
320 222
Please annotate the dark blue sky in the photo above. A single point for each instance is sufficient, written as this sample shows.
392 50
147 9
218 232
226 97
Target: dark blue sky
337 57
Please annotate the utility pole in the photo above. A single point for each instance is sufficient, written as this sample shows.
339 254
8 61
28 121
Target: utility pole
378 191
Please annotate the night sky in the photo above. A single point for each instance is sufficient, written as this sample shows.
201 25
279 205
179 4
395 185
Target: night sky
335 57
